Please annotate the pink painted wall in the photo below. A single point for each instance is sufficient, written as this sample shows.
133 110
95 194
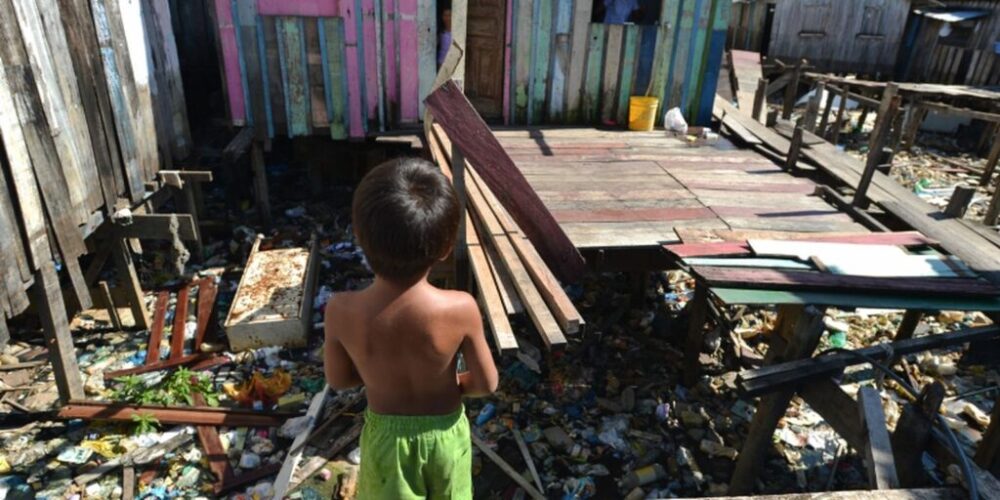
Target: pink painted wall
353 72
307 8
409 60
231 61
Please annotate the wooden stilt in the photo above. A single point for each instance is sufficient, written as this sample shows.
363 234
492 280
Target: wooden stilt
841 111
913 122
110 305
913 435
52 313
184 198
878 449
260 183
791 92
759 99
695 334
129 280
812 110
793 152
988 451
959 202
825 120
992 159
887 112
907 327
808 330
993 211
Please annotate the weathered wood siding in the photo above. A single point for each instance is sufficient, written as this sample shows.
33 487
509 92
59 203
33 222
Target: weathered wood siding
747 25
91 108
377 62
856 36
926 58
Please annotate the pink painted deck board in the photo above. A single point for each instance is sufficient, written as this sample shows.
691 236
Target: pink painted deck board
506 63
633 215
231 61
371 58
305 8
409 59
354 103
390 40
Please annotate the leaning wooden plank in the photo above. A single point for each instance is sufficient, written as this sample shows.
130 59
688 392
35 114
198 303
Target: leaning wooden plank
878 449
578 59
592 79
37 137
194 415
13 259
134 40
715 47
560 61
61 103
799 280
284 478
562 307
162 99
22 177
510 471
52 312
488 294
612 65
467 130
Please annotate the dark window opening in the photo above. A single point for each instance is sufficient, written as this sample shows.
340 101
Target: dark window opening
957 34
626 11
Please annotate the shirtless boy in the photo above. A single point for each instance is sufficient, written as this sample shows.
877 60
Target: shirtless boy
400 338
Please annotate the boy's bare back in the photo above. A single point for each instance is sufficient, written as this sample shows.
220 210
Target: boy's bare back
401 342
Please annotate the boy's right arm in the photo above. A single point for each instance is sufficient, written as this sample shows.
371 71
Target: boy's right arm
481 377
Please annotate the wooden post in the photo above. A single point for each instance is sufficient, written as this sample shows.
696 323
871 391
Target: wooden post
913 435
260 183
812 110
808 330
959 202
878 448
461 250
991 160
184 198
793 151
129 280
993 211
695 337
915 119
908 326
52 313
841 111
110 304
792 90
826 113
988 451
887 110
759 98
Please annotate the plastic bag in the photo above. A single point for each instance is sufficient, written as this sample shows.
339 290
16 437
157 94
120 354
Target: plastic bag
674 120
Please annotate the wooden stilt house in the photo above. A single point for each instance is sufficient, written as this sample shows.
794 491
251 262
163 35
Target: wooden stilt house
356 68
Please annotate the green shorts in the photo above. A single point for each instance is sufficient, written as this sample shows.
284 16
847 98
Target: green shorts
405 456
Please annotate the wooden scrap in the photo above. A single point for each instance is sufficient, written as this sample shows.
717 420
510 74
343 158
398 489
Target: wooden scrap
878 448
197 361
156 331
180 323
194 415
738 248
207 291
116 322
521 445
913 435
291 461
504 466
157 227
128 483
469 132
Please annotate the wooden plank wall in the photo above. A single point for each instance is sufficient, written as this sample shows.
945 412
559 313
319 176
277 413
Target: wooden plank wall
850 36
91 107
746 26
975 63
377 63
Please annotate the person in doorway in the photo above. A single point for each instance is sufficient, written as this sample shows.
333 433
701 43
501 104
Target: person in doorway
619 11
444 39
401 338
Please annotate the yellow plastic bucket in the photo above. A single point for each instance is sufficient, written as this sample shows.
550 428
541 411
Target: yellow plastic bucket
642 112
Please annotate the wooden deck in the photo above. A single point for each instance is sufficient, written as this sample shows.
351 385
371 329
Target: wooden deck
618 189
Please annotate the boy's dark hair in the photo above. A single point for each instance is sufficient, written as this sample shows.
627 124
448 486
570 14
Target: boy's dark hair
405 215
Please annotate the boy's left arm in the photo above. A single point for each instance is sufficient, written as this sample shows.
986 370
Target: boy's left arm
337 364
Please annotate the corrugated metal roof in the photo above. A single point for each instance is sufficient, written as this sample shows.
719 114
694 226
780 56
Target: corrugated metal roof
955 15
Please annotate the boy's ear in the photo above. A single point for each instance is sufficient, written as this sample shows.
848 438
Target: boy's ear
447 252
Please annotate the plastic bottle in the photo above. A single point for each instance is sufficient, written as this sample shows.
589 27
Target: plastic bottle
644 476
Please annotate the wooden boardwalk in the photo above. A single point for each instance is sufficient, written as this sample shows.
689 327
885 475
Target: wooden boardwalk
617 189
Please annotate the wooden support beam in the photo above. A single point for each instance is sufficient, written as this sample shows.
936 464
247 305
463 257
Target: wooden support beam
807 332
759 99
988 450
915 118
841 111
109 303
697 315
180 323
47 296
965 112
860 216
913 435
993 210
959 202
187 175
791 161
791 92
826 113
887 112
129 281
878 448
238 146
259 170
812 108
991 160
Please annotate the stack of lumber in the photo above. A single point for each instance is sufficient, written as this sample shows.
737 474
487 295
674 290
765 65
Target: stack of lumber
509 274
91 107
